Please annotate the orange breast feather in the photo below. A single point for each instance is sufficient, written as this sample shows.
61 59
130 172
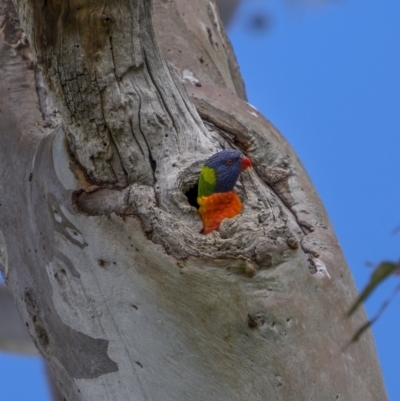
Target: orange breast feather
217 207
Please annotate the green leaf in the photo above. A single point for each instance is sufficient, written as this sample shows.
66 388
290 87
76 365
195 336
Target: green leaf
383 270
361 330
369 323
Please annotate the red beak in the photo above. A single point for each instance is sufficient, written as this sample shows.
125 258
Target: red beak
245 163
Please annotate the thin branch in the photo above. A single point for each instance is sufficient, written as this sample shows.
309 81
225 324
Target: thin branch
368 324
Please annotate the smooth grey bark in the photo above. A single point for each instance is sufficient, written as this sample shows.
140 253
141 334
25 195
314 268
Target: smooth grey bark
100 248
227 9
14 336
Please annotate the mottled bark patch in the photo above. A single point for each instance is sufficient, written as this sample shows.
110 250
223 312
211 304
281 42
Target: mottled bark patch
82 356
13 34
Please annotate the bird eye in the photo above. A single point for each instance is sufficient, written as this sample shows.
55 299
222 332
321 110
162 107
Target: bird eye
241 156
229 162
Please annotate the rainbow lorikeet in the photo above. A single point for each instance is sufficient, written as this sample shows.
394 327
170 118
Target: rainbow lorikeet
216 195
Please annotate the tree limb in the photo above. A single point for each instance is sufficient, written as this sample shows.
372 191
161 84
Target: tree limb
102 251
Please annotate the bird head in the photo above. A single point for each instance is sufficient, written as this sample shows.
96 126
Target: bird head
221 171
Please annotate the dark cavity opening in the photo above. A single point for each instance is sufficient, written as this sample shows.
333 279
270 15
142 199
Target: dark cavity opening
153 163
191 196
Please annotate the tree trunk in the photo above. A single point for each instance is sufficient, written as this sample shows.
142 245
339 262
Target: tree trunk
100 247
14 336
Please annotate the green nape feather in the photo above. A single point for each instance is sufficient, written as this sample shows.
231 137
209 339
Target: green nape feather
207 181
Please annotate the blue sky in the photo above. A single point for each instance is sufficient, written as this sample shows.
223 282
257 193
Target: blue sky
328 78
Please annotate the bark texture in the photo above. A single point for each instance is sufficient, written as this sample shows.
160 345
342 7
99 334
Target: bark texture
14 336
101 248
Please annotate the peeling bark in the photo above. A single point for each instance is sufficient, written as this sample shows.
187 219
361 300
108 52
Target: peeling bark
102 250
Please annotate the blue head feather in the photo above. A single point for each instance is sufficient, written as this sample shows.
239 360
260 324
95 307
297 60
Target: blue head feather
227 169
